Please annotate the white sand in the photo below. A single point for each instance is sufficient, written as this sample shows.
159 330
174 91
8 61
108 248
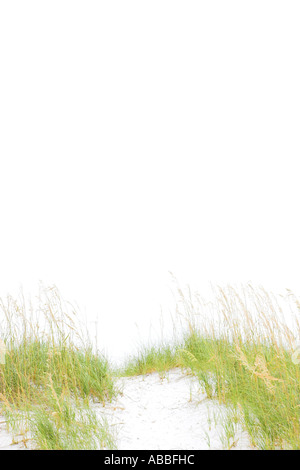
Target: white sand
7 441
154 413
168 414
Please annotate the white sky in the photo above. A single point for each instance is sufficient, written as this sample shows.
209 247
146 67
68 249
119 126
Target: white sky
143 137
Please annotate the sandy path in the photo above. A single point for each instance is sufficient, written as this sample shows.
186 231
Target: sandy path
168 414
154 413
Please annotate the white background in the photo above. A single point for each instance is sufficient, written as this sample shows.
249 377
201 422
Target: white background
142 137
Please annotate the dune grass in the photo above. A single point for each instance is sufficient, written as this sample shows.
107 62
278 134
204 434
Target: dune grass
159 358
51 374
241 350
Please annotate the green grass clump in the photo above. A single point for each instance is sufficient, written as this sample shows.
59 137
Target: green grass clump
262 382
150 359
51 374
69 427
28 365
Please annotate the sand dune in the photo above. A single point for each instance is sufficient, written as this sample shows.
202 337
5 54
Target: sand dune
167 414
159 413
